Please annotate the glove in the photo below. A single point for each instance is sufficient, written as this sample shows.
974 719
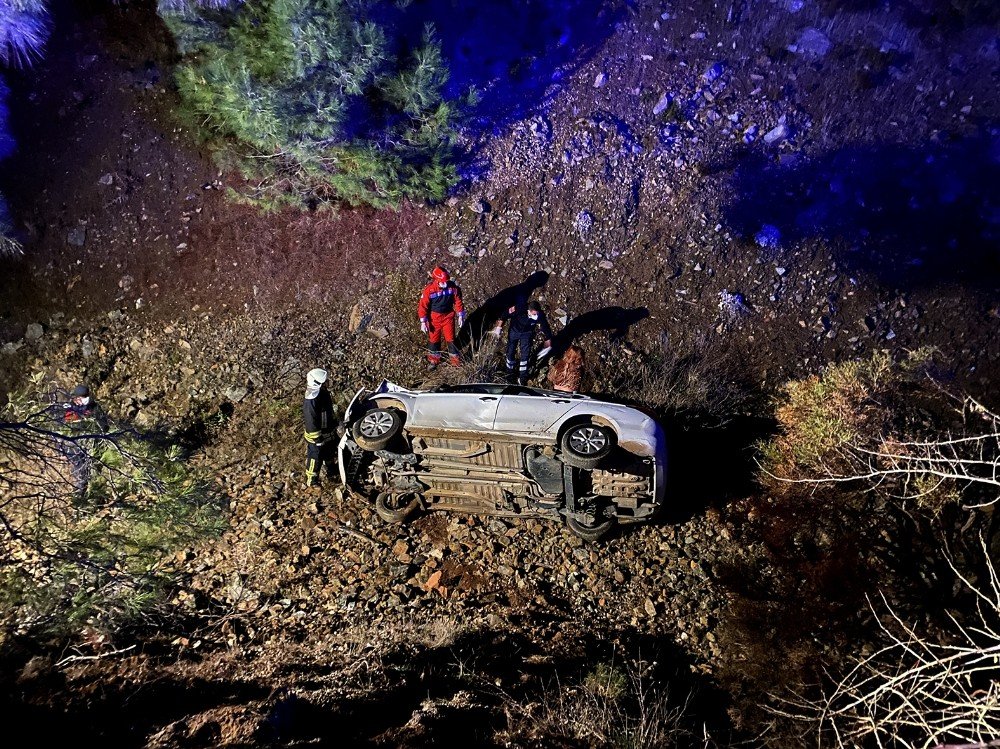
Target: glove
496 332
424 328
461 319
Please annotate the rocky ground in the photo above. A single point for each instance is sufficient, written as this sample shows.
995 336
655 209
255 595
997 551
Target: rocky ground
730 194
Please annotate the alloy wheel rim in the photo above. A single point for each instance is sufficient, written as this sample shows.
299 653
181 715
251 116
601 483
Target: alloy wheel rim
376 424
588 441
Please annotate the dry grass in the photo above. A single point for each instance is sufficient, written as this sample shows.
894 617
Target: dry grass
609 707
703 381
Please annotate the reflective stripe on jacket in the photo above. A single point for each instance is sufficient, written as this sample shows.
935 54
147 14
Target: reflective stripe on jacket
317 413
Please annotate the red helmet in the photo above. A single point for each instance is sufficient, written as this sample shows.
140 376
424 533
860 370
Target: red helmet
440 275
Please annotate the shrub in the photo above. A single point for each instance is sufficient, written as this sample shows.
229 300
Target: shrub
924 685
89 518
611 707
878 424
303 98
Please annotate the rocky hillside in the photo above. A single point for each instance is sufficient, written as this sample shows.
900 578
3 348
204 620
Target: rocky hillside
710 198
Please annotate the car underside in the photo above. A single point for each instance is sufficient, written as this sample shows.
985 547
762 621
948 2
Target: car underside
426 468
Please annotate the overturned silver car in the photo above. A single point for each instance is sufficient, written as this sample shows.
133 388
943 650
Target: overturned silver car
498 449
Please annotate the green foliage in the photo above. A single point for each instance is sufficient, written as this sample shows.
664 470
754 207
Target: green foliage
91 517
821 414
303 98
607 681
874 420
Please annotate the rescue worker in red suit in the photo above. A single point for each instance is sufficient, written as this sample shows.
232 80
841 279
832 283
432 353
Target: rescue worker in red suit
439 305
81 416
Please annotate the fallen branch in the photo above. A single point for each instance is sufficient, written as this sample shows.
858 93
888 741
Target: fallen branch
99 656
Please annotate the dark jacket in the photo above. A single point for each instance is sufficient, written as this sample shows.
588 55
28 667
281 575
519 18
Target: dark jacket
317 413
522 325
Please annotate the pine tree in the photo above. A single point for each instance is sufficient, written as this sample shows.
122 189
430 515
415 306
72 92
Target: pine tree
302 97
24 27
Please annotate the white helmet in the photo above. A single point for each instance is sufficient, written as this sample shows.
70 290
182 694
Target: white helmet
316 377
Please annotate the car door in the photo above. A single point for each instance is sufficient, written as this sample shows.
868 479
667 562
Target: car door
527 411
464 407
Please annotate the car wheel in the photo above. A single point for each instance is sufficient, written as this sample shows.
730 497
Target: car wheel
395 508
589 531
586 445
377 428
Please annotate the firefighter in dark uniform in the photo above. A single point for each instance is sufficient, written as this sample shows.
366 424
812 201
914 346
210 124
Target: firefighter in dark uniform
320 425
525 320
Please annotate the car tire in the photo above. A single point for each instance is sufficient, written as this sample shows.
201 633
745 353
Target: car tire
586 445
395 508
588 532
377 428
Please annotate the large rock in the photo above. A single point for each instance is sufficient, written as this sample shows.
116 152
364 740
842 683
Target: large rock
77 236
662 105
812 43
236 394
776 134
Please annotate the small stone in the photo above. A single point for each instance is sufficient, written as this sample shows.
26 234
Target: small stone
605 265
458 250
890 335
381 333
780 271
600 80
34 332
649 607
107 179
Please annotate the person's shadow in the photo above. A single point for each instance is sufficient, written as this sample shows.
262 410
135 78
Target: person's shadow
482 320
616 320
